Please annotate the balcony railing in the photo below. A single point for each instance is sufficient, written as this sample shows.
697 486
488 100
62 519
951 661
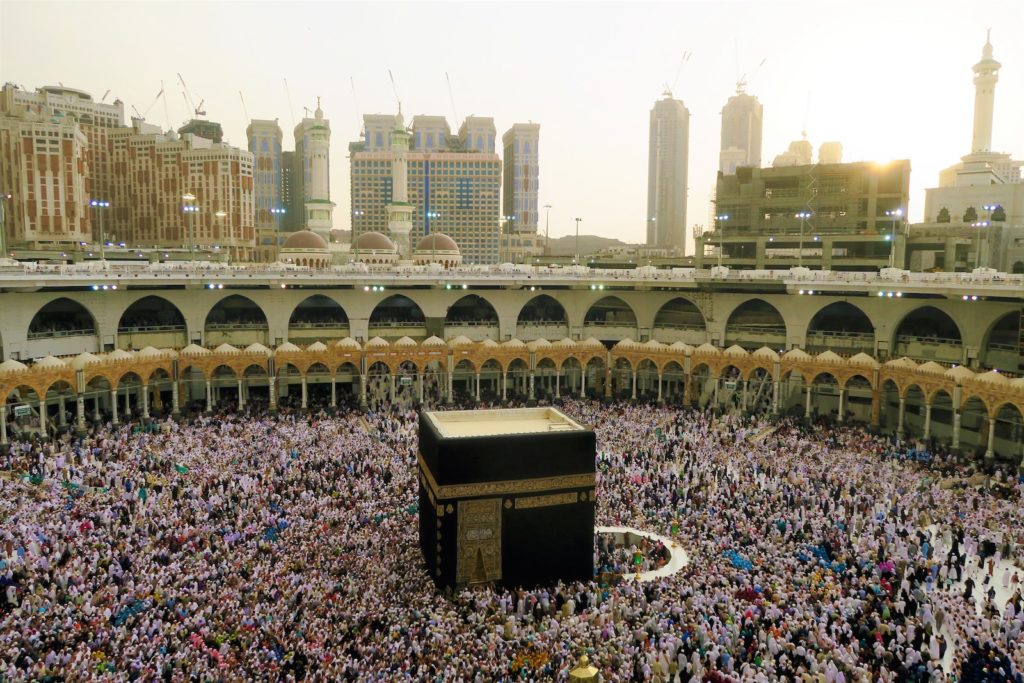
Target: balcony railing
60 333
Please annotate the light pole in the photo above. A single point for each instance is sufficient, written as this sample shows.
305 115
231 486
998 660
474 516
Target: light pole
192 208
99 204
977 240
547 233
895 214
3 224
721 236
577 259
803 216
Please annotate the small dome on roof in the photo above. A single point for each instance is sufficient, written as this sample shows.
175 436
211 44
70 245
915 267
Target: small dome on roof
681 346
150 352
796 354
829 357
223 348
735 350
287 347
902 362
373 241
766 352
591 341
304 239
437 241
194 350
347 343
564 343
81 360
932 367
626 343
461 340
960 372
377 342
488 343
120 354
708 348
256 347
993 377
538 344
863 359
317 346
50 362
433 341
11 365
513 343
405 341
653 344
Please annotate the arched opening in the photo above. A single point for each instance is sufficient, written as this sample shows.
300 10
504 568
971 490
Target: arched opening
542 318
760 391
160 393
289 386
464 382
490 381
59 405
255 387
928 333
672 378
755 323
406 385
378 386
236 320
318 318
857 406
471 316
941 423
841 327
151 321
128 397
793 391
224 389
680 320
1004 348
647 380
702 386
622 379
889 406
433 384
572 374
318 386
914 412
63 328
728 393
974 426
1008 439
610 319
517 380
97 399
398 316
595 383
824 396
193 385
544 380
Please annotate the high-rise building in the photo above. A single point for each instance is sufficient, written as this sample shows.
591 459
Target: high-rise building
311 182
668 157
454 189
291 219
522 176
742 123
43 169
268 172
201 128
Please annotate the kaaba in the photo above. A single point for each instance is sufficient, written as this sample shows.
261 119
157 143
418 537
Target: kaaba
506 497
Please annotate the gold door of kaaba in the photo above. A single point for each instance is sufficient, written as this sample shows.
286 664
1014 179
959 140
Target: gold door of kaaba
479 541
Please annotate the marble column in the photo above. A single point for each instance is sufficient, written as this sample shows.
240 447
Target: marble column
956 428
903 410
305 393
807 407
113 405
842 406
241 395
62 418
634 384
334 392
144 397
927 420
80 412
990 451
504 385
659 388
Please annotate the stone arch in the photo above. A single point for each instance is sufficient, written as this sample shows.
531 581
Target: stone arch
755 323
317 317
928 333
1003 343
397 316
610 312
63 327
841 326
148 313
1009 430
542 317
679 319
472 316
974 419
236 319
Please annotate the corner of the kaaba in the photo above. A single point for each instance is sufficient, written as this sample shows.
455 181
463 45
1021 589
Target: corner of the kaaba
507 509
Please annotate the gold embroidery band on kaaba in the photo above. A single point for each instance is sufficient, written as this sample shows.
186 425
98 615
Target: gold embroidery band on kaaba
501 488
546 501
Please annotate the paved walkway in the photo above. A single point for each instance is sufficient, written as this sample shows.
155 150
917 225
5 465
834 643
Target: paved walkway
677 560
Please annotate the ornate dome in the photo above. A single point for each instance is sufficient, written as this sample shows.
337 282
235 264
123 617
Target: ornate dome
304 239
437 241
373 241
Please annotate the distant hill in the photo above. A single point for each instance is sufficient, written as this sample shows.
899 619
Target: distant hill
589 244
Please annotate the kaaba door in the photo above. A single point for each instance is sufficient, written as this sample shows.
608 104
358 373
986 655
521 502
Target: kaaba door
479 541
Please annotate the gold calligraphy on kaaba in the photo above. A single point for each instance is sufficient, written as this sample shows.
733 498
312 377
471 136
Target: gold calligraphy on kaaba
499 488
479 541
546 501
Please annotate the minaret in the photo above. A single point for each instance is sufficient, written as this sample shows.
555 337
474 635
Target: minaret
399 209
319 207
986 74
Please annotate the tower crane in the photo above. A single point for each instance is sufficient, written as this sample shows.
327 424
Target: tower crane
188 96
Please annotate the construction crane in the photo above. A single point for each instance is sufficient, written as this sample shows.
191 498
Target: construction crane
156 99
188 97
682 62
105 95
394 88
451 97
741 81
244 110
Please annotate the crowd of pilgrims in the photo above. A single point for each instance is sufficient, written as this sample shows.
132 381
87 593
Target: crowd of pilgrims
248 546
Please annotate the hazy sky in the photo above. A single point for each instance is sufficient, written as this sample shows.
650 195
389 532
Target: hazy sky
887 79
